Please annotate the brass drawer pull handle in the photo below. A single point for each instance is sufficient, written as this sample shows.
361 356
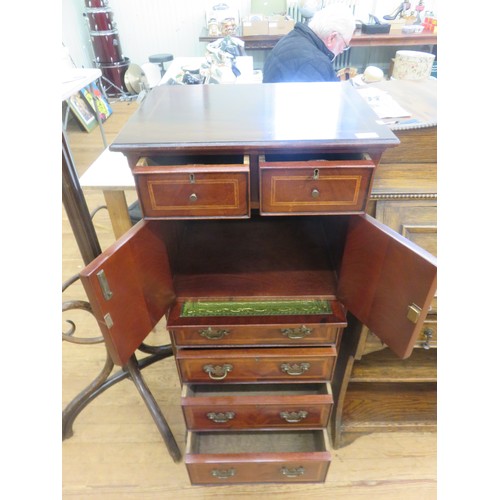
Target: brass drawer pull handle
210 334
428 334
293 417
217 372
295 369
315 193
223 473
221 418
294 472
296 333
193 197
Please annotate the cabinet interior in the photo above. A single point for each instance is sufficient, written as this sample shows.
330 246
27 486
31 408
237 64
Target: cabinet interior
274 257
257 442
256 390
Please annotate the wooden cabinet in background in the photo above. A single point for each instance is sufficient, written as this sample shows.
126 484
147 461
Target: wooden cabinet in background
375 391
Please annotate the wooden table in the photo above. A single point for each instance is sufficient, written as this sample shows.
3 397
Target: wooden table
358 40
255 243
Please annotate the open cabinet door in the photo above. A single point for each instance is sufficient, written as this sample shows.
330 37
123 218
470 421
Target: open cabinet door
129 287
387 282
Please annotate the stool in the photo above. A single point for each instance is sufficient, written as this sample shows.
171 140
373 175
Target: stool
161 59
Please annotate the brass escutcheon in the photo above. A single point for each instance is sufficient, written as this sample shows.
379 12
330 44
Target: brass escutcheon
217 372
293 472
223 473
295 368
293 417
222 417
296 333
210 334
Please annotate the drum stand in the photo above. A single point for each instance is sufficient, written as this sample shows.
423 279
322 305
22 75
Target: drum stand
123 96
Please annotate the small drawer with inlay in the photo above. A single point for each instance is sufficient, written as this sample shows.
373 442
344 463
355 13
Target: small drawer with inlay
315 187
260 322
182 191
257 457
297 364
256 406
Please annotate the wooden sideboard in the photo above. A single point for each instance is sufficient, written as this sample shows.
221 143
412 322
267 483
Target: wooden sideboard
358 40
376 390
257 248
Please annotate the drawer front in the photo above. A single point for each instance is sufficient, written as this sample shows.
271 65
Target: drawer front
212 324
192 192
257 458
248 407
254 335
253 365
315 188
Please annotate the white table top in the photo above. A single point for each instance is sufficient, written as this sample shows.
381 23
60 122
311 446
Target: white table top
109 172
75 79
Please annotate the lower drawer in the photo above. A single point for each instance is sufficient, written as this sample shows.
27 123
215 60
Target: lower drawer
264 406
257 457
297 364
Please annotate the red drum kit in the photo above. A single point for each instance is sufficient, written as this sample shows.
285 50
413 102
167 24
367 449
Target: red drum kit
106 44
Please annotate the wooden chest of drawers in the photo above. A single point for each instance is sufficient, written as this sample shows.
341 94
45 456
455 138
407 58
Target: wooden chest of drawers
256 295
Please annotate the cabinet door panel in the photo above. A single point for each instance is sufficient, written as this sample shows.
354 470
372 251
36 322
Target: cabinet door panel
135 273
385 280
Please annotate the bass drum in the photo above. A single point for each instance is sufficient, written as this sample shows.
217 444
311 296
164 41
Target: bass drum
107 48
96 4
115 75
100 19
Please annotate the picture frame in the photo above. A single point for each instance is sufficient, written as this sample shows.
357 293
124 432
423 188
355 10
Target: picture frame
102 104
82 111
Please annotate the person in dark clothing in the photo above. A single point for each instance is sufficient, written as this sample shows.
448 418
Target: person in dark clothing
306 54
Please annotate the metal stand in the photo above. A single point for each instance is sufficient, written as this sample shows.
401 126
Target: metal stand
86 237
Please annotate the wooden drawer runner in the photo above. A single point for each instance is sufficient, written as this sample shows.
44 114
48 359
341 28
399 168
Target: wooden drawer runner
298 364
191 329
315 187
264 406
193 191
269 457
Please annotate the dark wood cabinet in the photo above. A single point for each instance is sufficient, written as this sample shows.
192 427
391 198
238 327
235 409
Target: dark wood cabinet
257 300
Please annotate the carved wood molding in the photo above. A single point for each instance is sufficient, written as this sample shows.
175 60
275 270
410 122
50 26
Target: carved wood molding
404 196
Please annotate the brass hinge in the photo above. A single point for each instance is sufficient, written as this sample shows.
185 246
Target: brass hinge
103 283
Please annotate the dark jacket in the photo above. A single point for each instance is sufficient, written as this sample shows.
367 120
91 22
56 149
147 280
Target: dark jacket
300 56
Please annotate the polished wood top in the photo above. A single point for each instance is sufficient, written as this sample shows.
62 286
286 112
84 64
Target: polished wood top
253 118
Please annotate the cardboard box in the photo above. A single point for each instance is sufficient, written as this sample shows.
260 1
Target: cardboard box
254 27
280 25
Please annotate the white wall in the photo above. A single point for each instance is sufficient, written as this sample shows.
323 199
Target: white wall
147 27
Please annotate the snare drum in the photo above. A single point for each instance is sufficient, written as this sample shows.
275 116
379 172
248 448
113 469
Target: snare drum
107 48
100 19
95 4
114 73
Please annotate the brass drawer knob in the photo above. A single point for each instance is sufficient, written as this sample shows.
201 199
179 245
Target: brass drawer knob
223 473
217 372
315 193
193 197
210 334
295 368
221 417
292 417
296 333
293 472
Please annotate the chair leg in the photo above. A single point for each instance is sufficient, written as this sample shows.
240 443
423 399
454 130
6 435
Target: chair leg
133 369
84 398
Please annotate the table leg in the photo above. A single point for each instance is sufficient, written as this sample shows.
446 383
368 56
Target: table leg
118 212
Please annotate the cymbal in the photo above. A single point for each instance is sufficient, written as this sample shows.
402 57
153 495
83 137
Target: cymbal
135 79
